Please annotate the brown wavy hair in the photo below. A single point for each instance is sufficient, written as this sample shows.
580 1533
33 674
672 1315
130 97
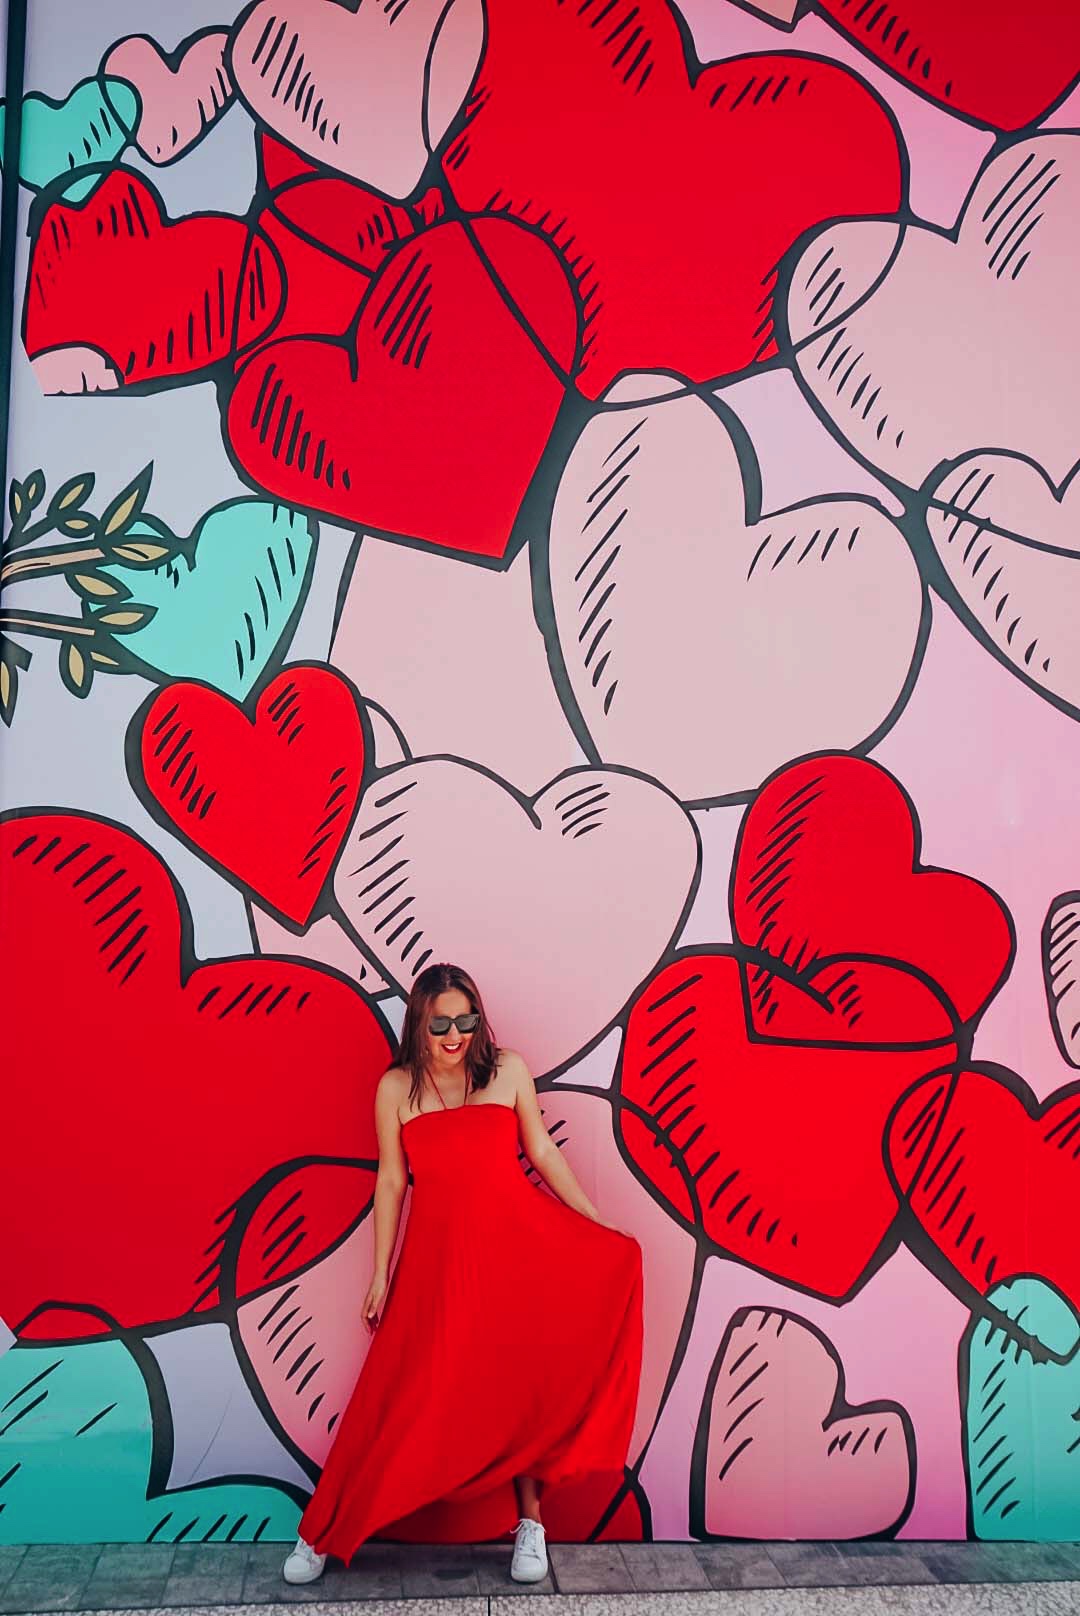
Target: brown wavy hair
482 1056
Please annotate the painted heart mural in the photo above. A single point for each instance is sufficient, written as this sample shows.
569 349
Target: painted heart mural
562 869
776 1398
179 99
152 296
302 1334
945 50
782 142
473 619
903 334
1010 543
829 862
742 1063
93 1404
242 575
368 90
722 1123
206 765
88 129
1020 1416
669 588
150 1033
1059 948
956 1146
365 429
581 445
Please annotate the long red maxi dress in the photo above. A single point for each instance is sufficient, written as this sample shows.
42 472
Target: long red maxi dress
510 1345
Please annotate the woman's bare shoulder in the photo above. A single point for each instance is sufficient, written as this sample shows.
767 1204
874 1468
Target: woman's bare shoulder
512 1065
393 1085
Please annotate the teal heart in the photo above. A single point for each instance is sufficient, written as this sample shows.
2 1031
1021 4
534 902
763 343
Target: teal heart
225 602
76 1451
91 125
1022 1420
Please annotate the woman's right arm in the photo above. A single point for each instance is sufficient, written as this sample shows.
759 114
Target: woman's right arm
390 1184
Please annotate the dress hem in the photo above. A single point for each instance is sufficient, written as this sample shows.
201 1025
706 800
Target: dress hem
558 1479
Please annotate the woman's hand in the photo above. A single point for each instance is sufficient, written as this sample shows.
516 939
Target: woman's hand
614 1227
371 1312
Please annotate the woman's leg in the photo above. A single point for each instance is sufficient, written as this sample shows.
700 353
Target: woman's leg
528 1497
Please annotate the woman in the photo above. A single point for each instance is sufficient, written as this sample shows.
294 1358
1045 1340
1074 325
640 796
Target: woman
507 1346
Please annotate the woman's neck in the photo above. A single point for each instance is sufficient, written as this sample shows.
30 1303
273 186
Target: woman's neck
442 1074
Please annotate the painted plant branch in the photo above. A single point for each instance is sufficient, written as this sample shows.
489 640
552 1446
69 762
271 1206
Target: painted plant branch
83 550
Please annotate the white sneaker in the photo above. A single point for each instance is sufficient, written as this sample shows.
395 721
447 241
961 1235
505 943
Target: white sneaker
530 1562
303 1564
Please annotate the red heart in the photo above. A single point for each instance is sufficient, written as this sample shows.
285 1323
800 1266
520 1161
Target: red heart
431 420
330 234
352 224
671 193
280 163
208 766
296 1221
991 61
993 1176
828 864
156 297
773 1147
165 1090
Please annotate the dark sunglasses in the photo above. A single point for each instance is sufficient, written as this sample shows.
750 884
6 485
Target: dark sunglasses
439 1026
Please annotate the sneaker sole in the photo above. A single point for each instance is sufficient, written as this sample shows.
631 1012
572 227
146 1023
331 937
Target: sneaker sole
297 1580
528 1576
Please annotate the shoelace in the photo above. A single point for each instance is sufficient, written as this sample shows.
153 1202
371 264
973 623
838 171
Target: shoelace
530 1534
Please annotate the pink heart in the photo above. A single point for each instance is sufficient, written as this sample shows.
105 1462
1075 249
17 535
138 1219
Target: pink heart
704 644
1010 542
74 369
1061 973
369 91
779 10
180 94
558 906
323 942
786 1456
581 1126
472 619
918 345
305 1339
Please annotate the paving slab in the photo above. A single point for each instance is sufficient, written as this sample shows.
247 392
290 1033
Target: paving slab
738 1565
10 1559
663 1567
809 1565
590 1568
439 1570
861 1563
51 1577
129 1576
207 1574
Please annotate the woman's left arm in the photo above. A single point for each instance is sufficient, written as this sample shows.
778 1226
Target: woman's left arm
542 1150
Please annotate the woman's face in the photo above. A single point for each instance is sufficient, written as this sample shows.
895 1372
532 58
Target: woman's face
448 1048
